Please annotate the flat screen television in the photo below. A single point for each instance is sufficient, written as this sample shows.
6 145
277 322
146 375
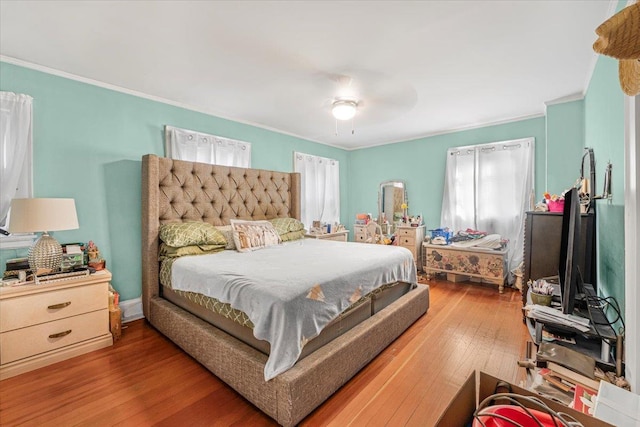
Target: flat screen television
569 273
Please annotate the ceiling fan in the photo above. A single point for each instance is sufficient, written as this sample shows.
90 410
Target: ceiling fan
379 96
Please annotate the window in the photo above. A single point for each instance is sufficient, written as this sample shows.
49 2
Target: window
16 122
488 187
194 146
320 188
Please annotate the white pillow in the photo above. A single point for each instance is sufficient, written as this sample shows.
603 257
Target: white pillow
252 235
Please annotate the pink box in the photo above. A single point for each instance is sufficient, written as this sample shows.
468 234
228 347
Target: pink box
556 205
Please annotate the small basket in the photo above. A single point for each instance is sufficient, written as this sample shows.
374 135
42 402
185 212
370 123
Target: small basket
541 299
556 205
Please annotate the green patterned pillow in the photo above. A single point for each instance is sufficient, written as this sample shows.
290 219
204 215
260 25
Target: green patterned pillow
190 233
167 251
286 225
292 235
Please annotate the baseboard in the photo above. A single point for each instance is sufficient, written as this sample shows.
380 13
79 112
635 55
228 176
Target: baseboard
131 309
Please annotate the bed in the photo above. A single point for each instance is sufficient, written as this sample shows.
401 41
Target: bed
177 191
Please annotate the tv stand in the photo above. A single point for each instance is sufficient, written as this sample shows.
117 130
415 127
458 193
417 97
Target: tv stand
590 342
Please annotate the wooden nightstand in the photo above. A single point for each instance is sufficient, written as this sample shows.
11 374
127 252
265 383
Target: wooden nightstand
46 323
338 236
411 238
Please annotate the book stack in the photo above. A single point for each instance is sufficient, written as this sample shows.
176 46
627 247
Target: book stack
14 266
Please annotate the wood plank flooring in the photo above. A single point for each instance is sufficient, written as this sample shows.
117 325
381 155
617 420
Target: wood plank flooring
145 380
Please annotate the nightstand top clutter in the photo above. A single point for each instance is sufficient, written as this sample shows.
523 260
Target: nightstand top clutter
58 281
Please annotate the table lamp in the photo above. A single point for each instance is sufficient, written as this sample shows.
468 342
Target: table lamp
43 215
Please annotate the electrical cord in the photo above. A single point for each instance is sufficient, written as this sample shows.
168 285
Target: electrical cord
601 303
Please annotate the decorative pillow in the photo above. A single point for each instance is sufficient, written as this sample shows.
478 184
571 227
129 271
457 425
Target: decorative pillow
292 235
252 235
190 233
228 235
167 251
286 225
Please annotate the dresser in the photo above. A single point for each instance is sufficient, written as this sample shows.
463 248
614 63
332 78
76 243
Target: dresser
49 322
542 235
411 238
359 233
461 263
338 236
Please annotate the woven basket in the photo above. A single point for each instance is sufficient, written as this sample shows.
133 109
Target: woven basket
541 299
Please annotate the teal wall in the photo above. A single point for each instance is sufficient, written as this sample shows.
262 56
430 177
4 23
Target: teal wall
88 142
604 132
565 141
421 164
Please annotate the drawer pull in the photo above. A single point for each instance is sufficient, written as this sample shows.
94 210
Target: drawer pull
57 306
60 334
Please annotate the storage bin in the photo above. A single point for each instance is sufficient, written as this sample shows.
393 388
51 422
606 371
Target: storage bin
556 205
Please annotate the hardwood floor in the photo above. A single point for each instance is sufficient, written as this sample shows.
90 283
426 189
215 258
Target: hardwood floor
144 379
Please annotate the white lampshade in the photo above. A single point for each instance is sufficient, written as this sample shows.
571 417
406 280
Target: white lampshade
344 109
43 215
39 215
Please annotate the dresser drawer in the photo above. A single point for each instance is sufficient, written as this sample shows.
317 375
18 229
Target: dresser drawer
359 237
27 310
406 232
22 343
408 242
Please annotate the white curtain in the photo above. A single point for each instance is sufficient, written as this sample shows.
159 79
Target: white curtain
200 147
320 188
16 117
488 188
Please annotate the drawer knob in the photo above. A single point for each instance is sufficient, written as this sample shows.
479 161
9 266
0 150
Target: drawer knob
60 334
57 306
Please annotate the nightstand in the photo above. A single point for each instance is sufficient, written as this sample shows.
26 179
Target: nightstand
46 323
411 238
359 233
338 236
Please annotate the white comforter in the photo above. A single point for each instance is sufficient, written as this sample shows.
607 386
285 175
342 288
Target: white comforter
292 291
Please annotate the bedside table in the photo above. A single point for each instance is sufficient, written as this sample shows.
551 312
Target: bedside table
338 236
46 323
411 238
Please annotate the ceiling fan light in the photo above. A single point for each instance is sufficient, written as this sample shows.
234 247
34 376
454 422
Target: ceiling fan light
344 110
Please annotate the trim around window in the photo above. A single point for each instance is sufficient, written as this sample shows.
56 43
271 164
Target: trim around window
17 241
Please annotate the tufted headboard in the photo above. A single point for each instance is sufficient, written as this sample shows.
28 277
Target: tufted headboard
176 191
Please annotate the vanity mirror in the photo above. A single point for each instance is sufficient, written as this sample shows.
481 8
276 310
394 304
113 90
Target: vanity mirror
391 196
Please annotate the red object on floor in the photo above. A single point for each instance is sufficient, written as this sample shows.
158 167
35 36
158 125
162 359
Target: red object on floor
515 414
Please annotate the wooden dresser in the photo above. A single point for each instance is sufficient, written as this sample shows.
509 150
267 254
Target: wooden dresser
46 323
542 235
359 233
411 238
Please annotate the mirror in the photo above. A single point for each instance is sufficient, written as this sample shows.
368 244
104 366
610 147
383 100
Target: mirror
391 196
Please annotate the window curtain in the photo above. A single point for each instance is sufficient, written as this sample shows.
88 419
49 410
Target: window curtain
489 188
16 120
200 147
320 188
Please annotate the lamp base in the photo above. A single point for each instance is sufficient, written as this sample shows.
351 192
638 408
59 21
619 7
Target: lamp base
45 255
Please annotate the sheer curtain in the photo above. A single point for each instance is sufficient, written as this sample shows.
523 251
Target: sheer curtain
320 187
200 147
488 187
16 116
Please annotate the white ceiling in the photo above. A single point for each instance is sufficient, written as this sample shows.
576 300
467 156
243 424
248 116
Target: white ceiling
418 68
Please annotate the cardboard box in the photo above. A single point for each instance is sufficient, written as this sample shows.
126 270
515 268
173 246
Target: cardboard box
460 410
451 277
115 323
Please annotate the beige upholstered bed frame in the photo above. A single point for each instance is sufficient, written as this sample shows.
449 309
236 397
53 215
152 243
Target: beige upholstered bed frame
175 190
